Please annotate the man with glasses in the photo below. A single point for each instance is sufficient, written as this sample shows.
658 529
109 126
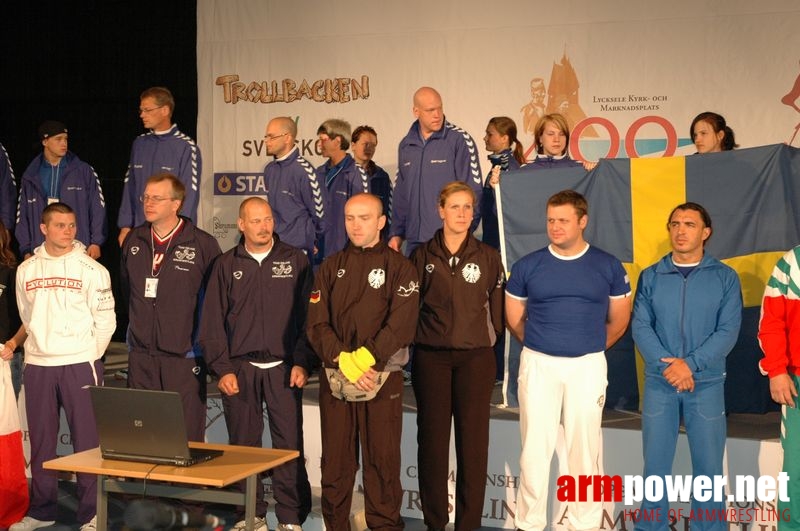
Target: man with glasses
293 190
163 149
165 265
343 179
58 175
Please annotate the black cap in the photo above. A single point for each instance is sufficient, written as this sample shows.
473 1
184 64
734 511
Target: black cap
51 128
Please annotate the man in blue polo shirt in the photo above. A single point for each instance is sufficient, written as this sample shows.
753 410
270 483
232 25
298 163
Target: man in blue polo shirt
566 303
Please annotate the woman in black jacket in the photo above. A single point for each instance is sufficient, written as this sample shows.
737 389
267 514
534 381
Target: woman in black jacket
461 316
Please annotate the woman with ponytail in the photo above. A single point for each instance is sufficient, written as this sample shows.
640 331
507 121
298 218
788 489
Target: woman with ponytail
505 153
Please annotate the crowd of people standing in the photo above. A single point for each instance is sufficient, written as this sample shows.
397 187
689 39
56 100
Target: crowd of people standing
342 271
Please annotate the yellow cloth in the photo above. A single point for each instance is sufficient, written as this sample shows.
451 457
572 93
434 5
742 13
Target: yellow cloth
354 364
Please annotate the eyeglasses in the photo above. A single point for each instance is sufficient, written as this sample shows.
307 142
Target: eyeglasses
154 199
146 111
273 137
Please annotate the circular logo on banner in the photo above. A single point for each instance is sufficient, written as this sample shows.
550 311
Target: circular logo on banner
224 184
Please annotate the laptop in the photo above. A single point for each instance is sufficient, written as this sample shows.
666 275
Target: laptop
144 426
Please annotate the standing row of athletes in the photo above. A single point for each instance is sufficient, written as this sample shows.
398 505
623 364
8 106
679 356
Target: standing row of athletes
263 325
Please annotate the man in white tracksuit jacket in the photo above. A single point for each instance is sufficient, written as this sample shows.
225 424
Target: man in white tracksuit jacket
66 305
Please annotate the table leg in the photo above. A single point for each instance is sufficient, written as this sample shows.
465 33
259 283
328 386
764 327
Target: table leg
250 502
102 503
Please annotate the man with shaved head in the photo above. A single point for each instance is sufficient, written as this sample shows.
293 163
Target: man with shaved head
293 189
361 318
433 153
252 334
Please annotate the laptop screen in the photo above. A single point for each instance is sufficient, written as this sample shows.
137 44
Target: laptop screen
139 422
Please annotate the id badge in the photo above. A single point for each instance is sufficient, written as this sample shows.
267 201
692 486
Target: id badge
51 200
150 287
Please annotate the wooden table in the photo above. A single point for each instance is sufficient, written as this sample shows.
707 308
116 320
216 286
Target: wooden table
237 463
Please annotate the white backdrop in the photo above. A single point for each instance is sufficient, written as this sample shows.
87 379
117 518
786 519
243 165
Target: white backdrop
644 60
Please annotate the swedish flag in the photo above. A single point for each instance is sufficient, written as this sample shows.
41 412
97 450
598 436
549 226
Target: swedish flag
751 196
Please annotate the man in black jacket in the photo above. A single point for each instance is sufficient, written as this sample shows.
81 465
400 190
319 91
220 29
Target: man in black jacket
252 334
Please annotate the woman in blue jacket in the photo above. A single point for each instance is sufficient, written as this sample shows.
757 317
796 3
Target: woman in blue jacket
501 136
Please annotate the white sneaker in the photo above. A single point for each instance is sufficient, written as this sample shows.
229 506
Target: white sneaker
91 525
259 524
28 523
289 527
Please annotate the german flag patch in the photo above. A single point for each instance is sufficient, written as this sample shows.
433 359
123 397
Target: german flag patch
315 297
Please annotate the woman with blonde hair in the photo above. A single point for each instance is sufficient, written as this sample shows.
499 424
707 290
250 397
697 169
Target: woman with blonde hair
552 144
460 318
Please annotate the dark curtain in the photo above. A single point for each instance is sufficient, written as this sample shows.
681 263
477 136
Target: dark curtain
85 64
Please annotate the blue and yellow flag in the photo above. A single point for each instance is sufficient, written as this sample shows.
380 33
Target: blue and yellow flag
751 196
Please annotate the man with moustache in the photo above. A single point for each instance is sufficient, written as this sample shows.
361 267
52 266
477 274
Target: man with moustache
253 340
293 189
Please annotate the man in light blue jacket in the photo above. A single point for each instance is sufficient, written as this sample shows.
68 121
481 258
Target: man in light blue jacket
686 319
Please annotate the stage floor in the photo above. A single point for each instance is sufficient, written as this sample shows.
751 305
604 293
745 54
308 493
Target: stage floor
746 433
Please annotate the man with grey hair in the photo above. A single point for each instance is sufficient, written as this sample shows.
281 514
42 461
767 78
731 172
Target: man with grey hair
293 189
343 179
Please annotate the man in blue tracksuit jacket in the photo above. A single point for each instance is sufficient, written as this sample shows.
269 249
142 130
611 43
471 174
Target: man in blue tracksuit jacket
58 175
163 149
343 179
686 319
8 191
293 190
433 153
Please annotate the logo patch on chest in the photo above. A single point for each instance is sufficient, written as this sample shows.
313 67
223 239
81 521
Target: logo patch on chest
376 278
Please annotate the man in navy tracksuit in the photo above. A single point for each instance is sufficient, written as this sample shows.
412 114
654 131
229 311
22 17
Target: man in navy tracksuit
165 266
293 190
58 175
343 179
253 340
433 153
8 191
163 149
